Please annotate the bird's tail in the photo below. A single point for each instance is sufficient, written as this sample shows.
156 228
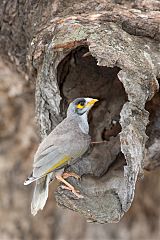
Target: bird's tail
40 194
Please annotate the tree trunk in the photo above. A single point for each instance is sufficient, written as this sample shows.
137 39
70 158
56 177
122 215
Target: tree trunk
108 50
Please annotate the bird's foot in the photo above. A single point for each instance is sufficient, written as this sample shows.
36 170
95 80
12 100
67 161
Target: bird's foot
68 186
70 174
86 54
98 142
73 190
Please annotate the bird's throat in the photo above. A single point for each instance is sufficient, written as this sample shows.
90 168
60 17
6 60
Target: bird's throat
83 123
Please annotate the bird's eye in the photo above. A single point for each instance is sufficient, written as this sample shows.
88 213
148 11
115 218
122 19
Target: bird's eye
81 105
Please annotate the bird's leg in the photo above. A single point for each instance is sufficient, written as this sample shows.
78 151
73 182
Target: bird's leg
68 185
86 54
98 142
70 174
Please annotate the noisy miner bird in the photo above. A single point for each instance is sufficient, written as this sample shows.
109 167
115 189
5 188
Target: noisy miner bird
66 143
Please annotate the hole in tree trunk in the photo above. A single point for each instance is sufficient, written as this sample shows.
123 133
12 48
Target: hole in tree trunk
153 132
80 76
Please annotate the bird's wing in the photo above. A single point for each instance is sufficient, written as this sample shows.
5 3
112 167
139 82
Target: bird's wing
51 158
49 153
58 148
49 163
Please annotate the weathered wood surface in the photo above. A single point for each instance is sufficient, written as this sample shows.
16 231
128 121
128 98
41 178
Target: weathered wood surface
122 71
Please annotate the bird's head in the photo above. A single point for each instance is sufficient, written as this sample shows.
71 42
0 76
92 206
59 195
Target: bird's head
81 106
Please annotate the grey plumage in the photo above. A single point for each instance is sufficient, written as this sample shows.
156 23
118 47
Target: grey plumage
67 142
40 194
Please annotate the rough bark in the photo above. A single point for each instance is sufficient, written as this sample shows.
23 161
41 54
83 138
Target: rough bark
122 71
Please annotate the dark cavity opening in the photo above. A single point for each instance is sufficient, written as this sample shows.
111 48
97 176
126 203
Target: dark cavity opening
80 76
153 131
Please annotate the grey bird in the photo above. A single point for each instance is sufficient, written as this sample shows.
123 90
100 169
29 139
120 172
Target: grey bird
66 143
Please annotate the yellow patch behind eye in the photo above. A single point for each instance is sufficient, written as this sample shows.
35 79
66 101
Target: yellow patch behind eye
80 106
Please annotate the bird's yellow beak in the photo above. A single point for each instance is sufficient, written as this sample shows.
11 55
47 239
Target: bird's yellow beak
92 102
